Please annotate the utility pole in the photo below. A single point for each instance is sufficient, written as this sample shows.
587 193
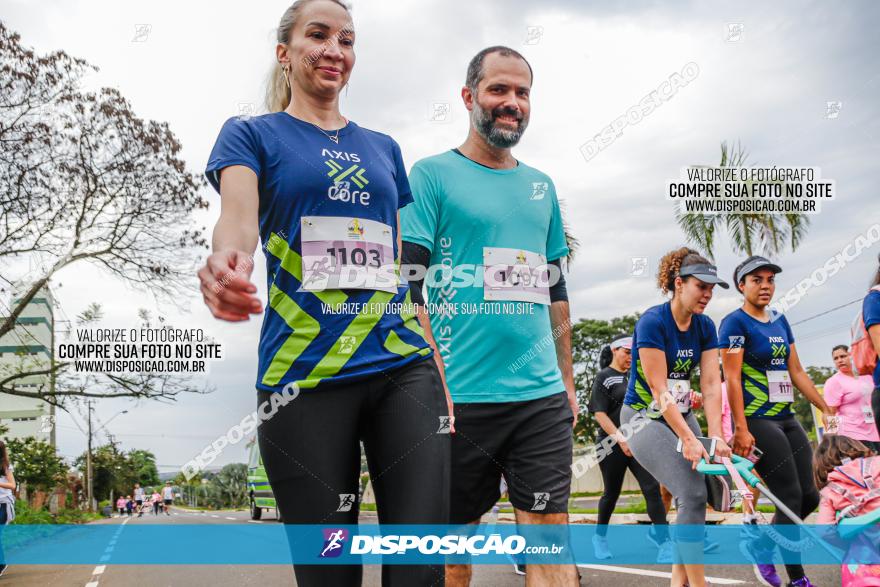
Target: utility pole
89 486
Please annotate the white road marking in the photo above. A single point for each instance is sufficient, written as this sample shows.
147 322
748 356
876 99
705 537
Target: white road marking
214 516
254 522
230 518
647 573
99 570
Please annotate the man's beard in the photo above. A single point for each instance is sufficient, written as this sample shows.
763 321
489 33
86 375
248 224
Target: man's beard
502 138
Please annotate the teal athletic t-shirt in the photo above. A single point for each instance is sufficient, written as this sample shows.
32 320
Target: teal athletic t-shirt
466 214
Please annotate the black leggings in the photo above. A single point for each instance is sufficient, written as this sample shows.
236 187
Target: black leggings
787 469
613 468
311 452
3 517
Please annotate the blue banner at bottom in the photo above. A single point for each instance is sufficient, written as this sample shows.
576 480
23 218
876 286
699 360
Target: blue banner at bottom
278 544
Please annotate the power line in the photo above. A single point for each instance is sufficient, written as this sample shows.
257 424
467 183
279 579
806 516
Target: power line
826 312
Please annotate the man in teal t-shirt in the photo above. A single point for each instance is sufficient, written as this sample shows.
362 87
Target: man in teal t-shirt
488 229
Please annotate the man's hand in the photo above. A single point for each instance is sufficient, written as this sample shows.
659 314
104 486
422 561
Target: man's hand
226 286
450 407
573 404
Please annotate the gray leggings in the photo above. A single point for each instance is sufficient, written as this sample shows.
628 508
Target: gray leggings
653 446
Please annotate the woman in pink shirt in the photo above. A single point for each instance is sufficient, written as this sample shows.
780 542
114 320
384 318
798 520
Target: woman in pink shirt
849 397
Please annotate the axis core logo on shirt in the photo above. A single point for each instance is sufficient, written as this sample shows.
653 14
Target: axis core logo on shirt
355 173
682 366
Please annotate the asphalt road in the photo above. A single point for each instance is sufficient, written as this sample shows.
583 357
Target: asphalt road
270 575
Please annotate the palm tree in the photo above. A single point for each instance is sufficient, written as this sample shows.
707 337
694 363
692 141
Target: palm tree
571 240
750 234
228 488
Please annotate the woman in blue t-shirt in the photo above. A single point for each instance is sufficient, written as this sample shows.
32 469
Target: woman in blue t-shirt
762 370
871 317
342 357
669 341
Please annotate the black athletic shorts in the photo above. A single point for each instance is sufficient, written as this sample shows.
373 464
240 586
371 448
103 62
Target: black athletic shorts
529 442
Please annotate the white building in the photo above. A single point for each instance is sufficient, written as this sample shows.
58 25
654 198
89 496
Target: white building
29 346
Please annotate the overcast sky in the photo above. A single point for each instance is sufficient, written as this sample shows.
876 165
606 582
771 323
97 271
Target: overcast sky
766 74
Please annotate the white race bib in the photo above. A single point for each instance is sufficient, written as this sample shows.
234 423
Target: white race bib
681 392
780 387
515 275
347 253
868 413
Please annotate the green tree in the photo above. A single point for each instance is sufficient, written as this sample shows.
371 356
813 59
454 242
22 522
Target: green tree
228 488
118 471
142 464
761 233
801 407
108 470
36 463
83 179
588 336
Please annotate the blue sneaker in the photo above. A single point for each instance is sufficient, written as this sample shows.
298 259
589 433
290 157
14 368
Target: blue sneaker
654 538
665 553
600 547
750 531
709 545
802 582
765 573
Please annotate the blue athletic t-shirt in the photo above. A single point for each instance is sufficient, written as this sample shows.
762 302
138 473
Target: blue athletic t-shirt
656 329
336 334
871 316
766 346
494 351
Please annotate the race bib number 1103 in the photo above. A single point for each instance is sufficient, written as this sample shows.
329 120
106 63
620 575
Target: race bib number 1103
347 253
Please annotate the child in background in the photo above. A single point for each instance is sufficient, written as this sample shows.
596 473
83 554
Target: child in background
129 505
847 474
120 505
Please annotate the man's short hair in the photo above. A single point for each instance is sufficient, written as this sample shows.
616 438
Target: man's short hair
475 68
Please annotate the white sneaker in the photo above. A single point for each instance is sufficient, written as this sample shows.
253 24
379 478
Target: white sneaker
600 547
